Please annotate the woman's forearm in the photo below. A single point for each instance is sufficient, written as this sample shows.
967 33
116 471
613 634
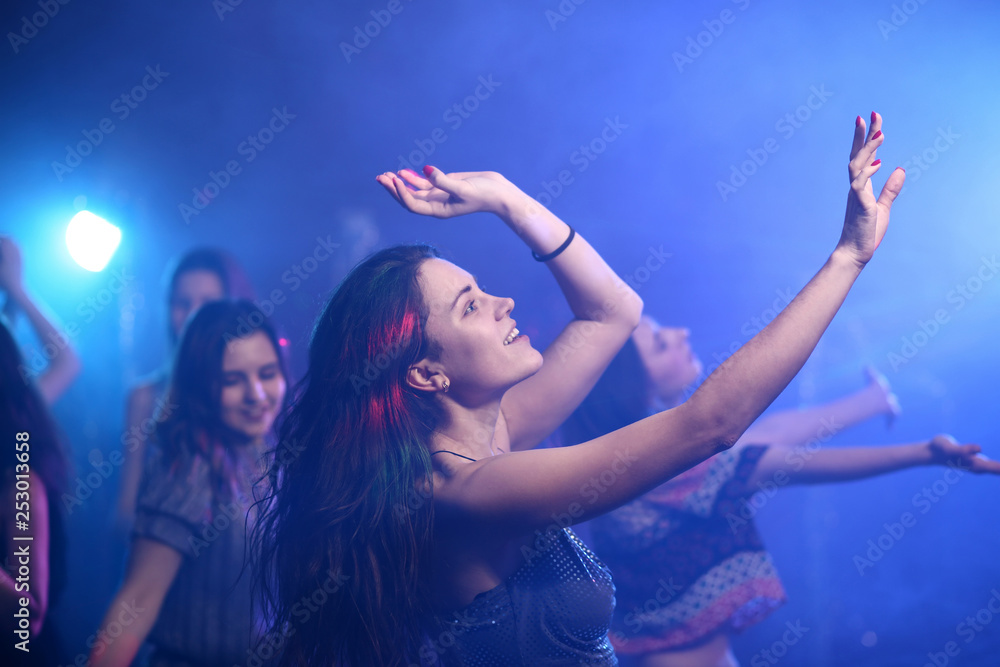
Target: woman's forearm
64 365
803 465
748 381
592 289
795 427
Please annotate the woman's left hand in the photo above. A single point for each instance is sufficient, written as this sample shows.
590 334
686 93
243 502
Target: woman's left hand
887 401
448 195
945 450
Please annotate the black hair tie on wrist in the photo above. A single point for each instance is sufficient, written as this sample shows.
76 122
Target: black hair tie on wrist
555 253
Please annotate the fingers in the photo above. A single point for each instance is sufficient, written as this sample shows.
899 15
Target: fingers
400 192
864 147
414 179
892 187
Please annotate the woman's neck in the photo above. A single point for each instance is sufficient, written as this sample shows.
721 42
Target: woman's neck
471 431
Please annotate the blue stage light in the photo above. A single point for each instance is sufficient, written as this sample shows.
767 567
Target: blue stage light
92 240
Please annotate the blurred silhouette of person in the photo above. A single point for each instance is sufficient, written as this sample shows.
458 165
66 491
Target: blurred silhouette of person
183 588
33 475
200 276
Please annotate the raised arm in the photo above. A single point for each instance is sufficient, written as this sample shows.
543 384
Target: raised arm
843 464
64 365
606 310
526 490
789 428
151 571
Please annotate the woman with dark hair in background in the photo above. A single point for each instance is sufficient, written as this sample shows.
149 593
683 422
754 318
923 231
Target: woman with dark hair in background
689 565
200 276
183 585
410 513
33 476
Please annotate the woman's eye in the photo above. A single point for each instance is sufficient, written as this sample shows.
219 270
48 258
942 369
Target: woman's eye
471 308
230 380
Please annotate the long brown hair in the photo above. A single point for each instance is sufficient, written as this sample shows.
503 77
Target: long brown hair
343 523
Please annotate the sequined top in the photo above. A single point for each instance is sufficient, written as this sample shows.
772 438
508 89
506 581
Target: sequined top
554 610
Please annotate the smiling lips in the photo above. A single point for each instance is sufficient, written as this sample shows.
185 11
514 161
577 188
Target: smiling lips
511 336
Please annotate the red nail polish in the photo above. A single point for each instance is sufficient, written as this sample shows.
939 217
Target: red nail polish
857 122
876 162
428 170
873 116
902 170
877 135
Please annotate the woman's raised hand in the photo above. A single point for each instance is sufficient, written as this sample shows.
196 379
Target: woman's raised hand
448 195
945 450
867 218
881 391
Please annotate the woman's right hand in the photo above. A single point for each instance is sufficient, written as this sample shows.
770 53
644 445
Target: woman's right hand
448 195
867 218
945 450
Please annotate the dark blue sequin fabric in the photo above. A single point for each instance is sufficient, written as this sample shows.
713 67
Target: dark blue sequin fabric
554 610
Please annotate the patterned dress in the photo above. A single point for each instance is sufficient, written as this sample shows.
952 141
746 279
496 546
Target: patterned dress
687 559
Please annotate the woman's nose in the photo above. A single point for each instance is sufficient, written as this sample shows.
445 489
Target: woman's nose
255 392
506 304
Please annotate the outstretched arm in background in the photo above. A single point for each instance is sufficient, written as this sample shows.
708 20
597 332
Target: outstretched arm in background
802 465
64 365
789 428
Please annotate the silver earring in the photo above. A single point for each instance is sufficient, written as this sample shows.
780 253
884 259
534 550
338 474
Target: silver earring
446 385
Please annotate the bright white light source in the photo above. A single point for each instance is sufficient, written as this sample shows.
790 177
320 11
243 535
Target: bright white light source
92 240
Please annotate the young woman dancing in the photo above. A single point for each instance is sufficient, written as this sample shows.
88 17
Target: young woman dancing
689 565
448 542
183 586
200 276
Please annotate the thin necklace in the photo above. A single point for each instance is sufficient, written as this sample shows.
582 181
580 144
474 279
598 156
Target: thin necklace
445 451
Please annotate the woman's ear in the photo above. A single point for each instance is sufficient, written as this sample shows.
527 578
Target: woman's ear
425 376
